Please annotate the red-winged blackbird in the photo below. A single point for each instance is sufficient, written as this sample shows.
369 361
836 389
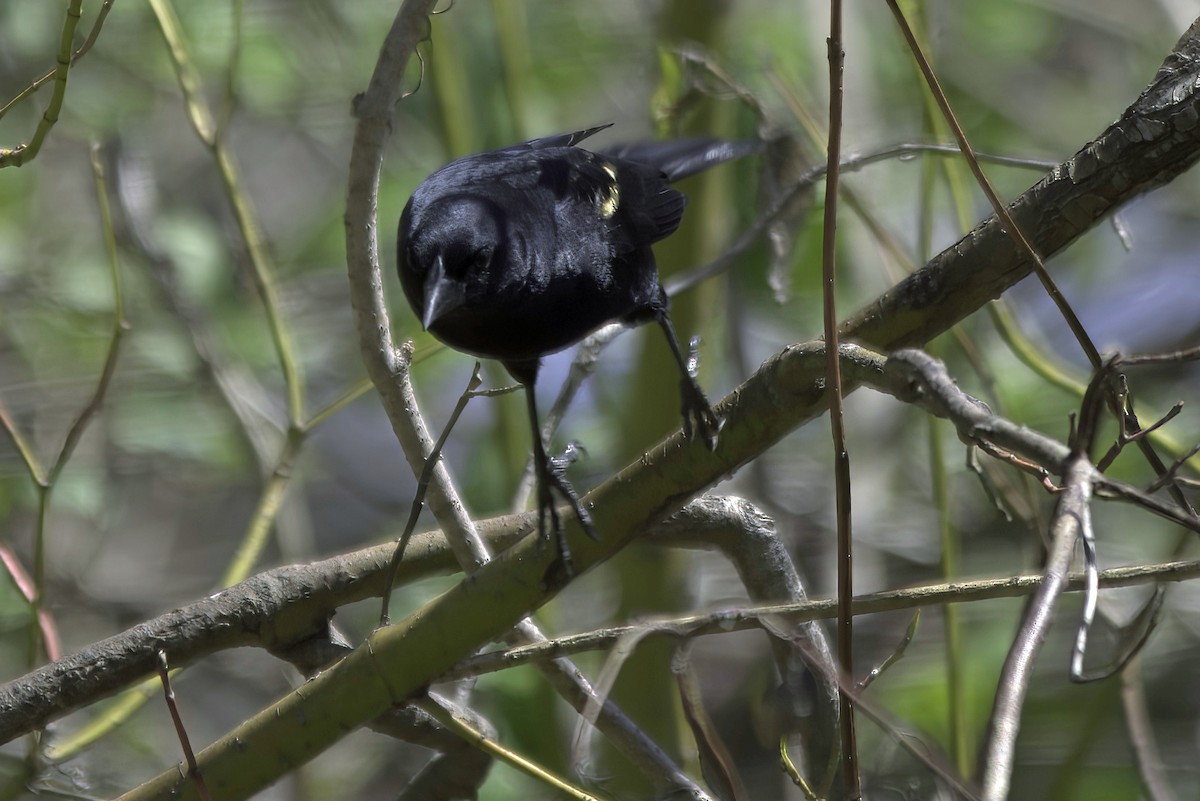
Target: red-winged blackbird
524 251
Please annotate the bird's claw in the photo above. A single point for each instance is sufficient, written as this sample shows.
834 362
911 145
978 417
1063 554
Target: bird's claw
557 475
555 480
560 462
699 419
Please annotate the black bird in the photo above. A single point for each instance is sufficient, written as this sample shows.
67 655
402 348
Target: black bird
524 251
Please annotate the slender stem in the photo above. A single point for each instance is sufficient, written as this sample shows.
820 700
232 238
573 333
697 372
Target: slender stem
32 464
262 271
956 692
236 10
49 74
185 71
185 742
362 387
423 482
38 600
833 373
1071 516
268 508
15 157
1141 733
488 745
1010 225
262 274
956 696
119 327
45 485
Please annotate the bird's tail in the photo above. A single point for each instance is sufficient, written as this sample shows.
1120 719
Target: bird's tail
680 158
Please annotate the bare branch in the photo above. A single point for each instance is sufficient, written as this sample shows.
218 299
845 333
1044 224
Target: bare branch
1072 514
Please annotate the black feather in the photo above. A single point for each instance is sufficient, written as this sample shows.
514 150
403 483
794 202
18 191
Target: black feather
681 158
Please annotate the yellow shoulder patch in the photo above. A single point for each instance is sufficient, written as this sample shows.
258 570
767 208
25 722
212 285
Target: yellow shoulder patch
610 198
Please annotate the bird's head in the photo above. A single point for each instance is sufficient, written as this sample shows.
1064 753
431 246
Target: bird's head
447 249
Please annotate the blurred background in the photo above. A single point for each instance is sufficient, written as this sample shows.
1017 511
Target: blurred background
168 478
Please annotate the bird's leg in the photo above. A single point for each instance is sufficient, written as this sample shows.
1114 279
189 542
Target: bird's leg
561 461
557 466
698 415
551 476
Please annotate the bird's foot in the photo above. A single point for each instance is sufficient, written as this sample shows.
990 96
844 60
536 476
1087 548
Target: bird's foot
698 415
699 419
560 462
554 479
557 474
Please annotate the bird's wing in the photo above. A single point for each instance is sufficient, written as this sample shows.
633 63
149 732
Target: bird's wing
680 158
578 176
558 140
632 201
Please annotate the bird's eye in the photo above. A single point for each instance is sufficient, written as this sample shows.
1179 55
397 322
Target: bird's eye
480 259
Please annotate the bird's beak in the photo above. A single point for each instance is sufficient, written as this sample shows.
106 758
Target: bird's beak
442 294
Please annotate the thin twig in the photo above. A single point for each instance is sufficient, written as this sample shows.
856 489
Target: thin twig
262 271
15 438
998 206
1141 734
1072 514
164 676
748 618
24 584
687 279
895 656
833 379
239 389
266 511
418 502
482 741
237 12
101 15
924 753
24 153
119 326
262 274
